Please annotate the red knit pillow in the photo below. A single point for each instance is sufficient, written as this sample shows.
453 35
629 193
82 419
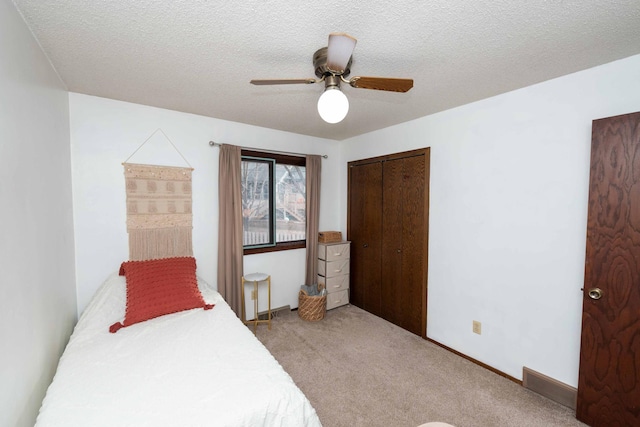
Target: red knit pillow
159 286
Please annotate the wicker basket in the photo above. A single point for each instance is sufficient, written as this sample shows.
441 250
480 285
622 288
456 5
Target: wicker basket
312 308
329 236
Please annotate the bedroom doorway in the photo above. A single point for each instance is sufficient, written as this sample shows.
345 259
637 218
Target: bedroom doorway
608 392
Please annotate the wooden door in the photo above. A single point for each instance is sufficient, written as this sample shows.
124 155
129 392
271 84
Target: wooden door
364 231
387 223
392 238
609 379
404 244
414 241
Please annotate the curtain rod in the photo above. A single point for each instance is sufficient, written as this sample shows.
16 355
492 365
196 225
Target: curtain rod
217 144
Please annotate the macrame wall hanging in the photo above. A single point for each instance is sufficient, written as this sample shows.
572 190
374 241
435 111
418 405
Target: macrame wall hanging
159 216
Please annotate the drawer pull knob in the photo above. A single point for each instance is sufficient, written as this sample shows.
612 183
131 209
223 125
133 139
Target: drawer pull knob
337 271
336 286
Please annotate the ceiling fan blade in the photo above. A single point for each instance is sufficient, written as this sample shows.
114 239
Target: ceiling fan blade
339 51
382 83
282 82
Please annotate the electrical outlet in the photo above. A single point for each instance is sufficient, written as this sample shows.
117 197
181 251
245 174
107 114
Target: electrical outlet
253 295
477 327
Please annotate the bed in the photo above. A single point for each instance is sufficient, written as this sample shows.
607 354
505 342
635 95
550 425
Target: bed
198 367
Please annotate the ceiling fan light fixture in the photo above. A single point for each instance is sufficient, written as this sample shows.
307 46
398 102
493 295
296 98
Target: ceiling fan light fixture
332 64
333 105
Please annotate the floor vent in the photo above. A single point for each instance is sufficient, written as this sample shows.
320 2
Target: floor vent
549 388
263 315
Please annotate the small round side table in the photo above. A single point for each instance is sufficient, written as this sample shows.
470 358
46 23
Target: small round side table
256 278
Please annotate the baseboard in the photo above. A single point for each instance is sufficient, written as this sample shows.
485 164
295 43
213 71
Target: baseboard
550 388
477 362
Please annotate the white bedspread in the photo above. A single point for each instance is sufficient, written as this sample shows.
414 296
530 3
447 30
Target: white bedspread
194 368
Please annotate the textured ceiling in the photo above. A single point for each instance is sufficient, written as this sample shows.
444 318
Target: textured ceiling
198 56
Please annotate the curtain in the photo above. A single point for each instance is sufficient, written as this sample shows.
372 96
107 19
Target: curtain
230 249
159 217
313 169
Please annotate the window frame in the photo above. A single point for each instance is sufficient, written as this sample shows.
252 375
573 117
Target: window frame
279 159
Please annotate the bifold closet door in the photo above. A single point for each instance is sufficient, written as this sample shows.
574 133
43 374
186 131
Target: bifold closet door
403 242
365 231
387 224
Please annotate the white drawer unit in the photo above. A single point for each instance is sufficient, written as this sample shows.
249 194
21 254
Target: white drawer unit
333 271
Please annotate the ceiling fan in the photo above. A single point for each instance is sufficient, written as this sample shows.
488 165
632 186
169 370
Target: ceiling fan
332 65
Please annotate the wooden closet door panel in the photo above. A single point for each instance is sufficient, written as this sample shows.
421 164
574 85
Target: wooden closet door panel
392 233
365 224
355 234
412 285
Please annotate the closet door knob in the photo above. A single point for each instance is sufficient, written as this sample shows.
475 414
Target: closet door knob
365 245
399 250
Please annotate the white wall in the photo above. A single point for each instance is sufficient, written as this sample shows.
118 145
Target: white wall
37 283
104 133
508 211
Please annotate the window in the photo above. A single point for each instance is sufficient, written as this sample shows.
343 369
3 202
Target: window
273 202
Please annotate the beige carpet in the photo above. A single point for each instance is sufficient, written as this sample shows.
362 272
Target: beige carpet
360 370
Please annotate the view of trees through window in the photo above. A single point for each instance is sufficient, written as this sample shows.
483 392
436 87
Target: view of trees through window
273 201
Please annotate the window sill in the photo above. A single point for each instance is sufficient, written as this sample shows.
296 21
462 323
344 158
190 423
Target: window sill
285 246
